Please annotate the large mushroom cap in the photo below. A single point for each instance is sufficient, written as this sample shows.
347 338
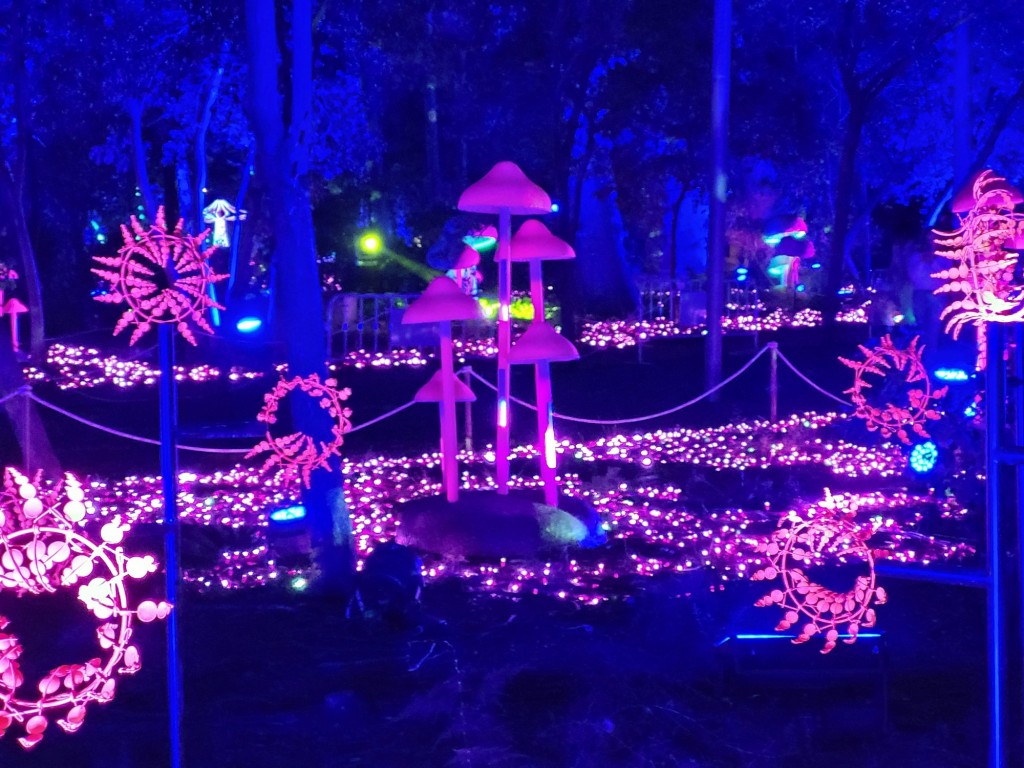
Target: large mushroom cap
442 300
963 201
467 259
534 241
541 343
433 391
505 187
790 246
14 307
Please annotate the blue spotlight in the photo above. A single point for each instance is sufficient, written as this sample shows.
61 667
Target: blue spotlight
288 514
923 457
952 374
249 324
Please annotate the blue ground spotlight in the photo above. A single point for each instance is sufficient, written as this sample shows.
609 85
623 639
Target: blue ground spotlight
249 324
923 457
288 535
952 375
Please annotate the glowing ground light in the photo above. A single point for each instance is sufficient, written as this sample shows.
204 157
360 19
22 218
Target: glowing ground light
163 276
298 453
371 243
894 419
299 584
923 457
826 533
952 374
43 550
249 325
288 514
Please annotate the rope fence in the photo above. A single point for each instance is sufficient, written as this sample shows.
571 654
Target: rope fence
26 391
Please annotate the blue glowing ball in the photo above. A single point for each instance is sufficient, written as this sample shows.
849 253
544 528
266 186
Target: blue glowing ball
923 457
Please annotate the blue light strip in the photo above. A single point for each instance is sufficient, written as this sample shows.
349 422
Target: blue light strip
777 636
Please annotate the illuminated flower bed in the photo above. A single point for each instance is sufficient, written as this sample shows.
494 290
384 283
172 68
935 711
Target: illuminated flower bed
620 334
653 527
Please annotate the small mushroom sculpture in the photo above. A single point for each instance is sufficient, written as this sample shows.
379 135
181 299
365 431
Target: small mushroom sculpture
14 307
540 346
465 269
218 213
506 191
442 302
788 256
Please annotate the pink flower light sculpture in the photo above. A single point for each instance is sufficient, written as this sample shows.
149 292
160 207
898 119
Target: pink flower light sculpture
162 276
43 549
298 453
798 543
983 269
894 419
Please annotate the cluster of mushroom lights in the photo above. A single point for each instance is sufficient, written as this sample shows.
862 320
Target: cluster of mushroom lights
792 247
506 191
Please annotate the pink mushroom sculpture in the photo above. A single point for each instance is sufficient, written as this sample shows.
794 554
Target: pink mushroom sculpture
442 302
963 201
788 256
14 307
534 244
506 191
465 269
540 346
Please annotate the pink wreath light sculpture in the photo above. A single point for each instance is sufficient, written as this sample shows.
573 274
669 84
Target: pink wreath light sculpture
798 543
893 419
298 453
982 270
162 276
43 549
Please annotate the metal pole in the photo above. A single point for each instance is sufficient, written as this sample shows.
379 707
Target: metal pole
994 419
773 381
721 53
503 445
169 475
468 426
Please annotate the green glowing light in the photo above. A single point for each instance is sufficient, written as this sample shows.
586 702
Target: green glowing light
371 243
299 584
479 243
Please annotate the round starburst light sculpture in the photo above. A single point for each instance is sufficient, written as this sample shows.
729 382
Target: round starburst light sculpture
163 276
44 549
894 418
828 533
297 453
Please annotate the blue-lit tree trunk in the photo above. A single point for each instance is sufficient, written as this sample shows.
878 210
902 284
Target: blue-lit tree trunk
280 111
721 59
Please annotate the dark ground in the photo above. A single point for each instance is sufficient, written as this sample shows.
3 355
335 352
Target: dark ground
280 679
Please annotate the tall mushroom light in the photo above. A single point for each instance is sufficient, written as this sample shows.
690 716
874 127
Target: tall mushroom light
541 344
442 302
506 191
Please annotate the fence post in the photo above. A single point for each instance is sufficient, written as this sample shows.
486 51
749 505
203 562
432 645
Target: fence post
468 426
773 381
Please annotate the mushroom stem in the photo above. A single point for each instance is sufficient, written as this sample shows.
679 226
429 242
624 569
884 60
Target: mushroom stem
14 331
449 465
536 290
503 442
545 431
